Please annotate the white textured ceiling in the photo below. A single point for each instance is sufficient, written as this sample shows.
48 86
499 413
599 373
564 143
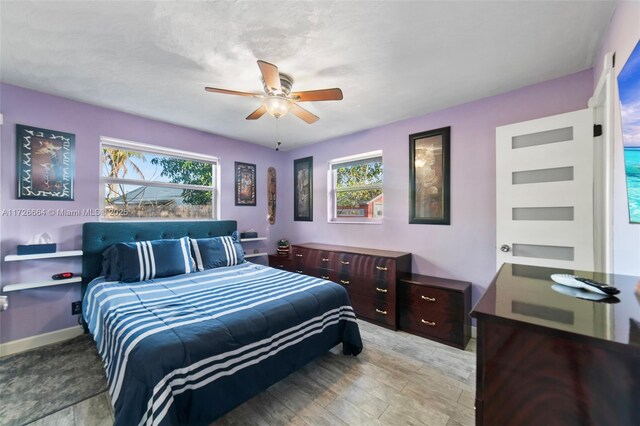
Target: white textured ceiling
393 60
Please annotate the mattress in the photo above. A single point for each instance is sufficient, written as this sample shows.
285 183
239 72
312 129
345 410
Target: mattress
187 349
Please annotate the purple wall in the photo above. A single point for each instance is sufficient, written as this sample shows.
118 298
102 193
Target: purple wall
624 33
37 311
464 250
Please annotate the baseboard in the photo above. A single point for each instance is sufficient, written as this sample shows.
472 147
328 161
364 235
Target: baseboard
33 342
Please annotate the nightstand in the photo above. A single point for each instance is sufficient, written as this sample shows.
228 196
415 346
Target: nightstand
435 308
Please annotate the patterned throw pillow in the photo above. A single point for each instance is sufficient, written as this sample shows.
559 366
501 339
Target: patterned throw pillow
144 260
215 252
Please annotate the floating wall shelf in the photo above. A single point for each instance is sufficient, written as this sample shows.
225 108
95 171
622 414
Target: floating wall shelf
46 283
16 257
38 284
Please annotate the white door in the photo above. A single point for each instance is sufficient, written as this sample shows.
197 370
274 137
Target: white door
544 183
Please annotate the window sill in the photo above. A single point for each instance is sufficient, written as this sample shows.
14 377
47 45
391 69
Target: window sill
351 222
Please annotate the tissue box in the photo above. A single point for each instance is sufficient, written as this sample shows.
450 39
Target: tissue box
249 234
36 248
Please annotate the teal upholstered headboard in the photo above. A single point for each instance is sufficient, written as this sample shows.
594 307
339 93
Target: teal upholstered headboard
98 236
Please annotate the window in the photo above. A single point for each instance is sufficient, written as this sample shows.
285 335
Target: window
355 193
148 182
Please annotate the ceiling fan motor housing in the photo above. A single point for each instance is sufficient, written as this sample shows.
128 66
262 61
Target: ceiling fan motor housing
286 81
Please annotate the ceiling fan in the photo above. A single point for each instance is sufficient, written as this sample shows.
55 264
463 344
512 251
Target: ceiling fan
278 99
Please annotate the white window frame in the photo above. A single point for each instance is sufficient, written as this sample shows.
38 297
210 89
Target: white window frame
109 142
332 216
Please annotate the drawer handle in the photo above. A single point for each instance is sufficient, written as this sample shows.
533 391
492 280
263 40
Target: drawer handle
381 290
432 324
325 259
345 282
280 266
298 255
381 268
344 262
298 271
324 277
428 299
381 311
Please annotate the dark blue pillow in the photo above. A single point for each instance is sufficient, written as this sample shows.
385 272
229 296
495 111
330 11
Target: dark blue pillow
108 258
144 260
215 252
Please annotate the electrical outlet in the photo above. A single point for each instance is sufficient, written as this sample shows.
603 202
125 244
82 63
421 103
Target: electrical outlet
76 308
4 301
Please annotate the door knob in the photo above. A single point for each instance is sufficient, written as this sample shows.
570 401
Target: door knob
505 248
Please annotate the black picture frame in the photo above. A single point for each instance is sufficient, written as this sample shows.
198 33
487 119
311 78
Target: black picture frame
245 185
303 189
45 163
429 177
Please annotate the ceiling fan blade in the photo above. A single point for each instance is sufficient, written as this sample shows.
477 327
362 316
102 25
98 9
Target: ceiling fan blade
318 95
257 113
302 113
230 92
271 75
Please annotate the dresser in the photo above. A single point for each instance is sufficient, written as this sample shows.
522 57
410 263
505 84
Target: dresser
549 358
370 276
435 308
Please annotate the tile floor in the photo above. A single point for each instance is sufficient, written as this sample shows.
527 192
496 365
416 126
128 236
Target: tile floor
399 379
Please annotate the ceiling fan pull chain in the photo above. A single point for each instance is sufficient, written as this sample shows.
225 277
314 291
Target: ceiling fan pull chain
278 143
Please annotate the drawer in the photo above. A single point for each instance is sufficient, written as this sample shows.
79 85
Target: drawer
323 273
323 260
363 286
319 273
371 267
281 263
431 323
384 269
301 256
347 263
426 298
314 258
354 285
374 310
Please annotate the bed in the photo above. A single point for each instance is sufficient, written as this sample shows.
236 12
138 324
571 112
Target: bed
186 349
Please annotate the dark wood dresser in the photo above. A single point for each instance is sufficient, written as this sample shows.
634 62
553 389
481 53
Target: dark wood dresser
436 308
370 276
546 358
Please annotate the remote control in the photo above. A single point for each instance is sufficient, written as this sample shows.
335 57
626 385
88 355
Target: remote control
584 283
62 276
584 294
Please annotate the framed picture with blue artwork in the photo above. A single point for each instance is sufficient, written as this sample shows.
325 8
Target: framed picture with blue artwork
629 91
45 163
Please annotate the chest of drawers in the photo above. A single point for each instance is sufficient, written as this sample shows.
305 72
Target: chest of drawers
435 308
369 275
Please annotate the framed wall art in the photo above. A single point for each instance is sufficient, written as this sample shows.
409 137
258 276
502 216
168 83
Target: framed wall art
429 193
629 92
245 184
303 189
46 163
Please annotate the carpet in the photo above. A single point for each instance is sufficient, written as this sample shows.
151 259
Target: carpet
42 381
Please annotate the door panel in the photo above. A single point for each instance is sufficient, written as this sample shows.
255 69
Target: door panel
544 198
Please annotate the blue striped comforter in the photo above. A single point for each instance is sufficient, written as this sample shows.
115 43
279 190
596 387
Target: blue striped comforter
187 349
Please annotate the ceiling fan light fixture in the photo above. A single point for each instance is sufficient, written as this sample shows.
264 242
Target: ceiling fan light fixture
277 106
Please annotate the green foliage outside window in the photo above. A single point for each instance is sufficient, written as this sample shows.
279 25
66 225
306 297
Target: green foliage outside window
188 172
352 182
